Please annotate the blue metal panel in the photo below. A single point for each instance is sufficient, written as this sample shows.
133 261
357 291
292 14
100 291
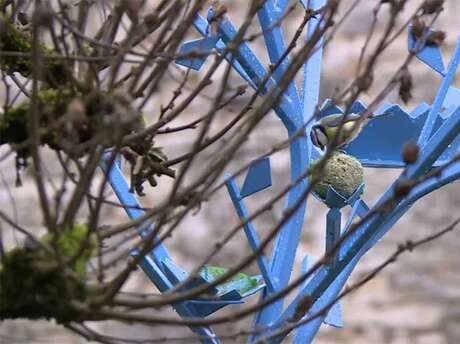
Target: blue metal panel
245 56
259 177
375 137
310 329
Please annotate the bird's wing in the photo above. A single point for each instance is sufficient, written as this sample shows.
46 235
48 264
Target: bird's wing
381 114
335 120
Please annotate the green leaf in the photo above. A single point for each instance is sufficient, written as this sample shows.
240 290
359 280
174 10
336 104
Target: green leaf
240 282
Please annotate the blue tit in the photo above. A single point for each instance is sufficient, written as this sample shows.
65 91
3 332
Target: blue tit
325 130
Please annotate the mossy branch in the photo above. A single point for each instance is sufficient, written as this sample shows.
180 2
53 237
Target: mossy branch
33 285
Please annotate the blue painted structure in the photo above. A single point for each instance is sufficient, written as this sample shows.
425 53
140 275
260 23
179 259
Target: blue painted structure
435 127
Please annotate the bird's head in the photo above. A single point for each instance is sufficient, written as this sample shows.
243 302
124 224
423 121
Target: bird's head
319 136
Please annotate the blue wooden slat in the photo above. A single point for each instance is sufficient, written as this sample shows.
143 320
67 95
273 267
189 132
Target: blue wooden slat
202 46
333 223
312 78
148 265
202 27
301 153
131 204
269 15
441 95
333 317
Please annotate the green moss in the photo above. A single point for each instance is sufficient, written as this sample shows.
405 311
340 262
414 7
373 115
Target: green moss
32 286
52 105
13 39
69 242
13 125
343 172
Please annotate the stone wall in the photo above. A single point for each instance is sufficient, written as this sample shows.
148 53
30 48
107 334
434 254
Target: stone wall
415 300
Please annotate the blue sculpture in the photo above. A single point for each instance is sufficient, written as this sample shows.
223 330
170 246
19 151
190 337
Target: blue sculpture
435 128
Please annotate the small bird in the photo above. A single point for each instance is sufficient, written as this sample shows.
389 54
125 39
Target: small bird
323 133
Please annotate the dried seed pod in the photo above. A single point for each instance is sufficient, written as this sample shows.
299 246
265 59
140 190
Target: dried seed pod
23 18
403 187
133 8
43 15
418 27
219 10
364 82
410 152
241 89
151 20
436 38
303 307
432 6
405 85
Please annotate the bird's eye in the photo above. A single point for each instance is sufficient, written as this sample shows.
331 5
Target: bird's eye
313 137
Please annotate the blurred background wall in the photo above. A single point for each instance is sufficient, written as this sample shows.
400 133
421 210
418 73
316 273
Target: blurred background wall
415 300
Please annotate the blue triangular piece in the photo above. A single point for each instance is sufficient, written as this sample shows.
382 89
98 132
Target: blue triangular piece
357 107
452 97
328 108
203 47
259 177
203 308
334 316
176 275
419 110
429 54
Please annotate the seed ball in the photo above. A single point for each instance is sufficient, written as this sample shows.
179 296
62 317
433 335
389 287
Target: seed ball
342 171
